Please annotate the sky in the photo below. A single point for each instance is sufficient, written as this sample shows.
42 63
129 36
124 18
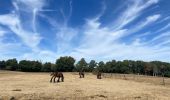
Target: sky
92 29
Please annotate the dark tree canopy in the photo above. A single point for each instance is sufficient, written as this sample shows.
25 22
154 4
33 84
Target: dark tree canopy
12 64
30 66
82 65
2 64
92 65
47 67
65 64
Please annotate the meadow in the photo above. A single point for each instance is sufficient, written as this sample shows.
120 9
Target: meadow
36 86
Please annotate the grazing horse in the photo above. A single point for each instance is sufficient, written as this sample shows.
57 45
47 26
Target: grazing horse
99 74
57 74
81 74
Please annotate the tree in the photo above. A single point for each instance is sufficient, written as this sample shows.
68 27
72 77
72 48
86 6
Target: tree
92 65
36 66
126 67
108 67
12 64
65 64
140 67
30 66
148 68
25 66
155 69
2 64
47 67
101 66
82 65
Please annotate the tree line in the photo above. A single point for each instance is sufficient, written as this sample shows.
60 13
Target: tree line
69 64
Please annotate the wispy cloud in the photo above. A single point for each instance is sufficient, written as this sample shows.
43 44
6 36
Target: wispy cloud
2 32
13 23
102 43
133 11
117 39
164 28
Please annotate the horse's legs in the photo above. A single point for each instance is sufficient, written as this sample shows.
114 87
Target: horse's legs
79 75
58 79
54 79
99 77
83 75
51 78
62 79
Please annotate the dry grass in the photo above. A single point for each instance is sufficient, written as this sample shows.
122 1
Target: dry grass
139 78
26 86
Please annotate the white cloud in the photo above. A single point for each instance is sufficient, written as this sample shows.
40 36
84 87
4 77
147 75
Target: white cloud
164 28
153 18
2 32
149 20
134 9
100 43
161 36
41 55
164 19
13 23
103 43
32 4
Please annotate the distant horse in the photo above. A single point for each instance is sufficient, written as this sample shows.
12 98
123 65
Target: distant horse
81 74
99 74
57 74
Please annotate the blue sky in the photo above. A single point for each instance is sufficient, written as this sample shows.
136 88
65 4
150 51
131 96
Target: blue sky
94 29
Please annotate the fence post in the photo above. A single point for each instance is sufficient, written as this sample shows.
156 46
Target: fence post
163 79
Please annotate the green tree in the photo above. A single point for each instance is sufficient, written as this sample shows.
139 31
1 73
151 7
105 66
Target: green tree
148 68
140 67
30 66
101 66
2 64
36 66
47 67
65 64
25 66
108 67
12 64
82 65
92 65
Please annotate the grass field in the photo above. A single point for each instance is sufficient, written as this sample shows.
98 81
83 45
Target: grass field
36 86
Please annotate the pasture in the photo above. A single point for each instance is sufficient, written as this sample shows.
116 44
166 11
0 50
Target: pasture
36 86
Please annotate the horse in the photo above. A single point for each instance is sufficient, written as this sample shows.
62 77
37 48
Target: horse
57 74
99 74
81 74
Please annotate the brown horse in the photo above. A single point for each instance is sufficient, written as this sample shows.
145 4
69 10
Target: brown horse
99 74
57 74
81 74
